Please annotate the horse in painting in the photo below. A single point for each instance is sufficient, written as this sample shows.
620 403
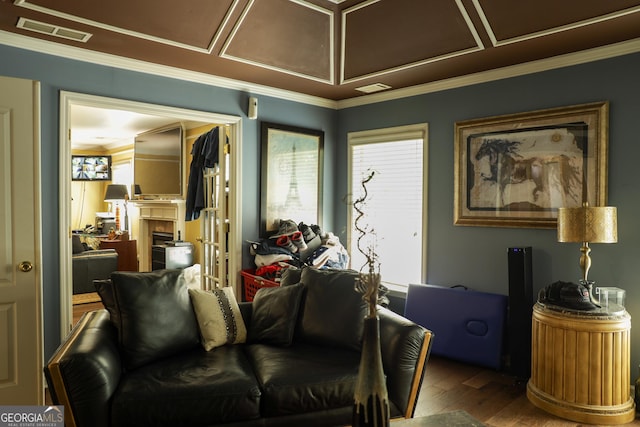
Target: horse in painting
507 166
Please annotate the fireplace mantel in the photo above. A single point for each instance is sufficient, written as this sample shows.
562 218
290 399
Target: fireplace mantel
171 211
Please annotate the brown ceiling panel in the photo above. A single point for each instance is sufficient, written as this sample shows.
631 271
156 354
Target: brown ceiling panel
287 36
510 19
393 33
296 45
193 23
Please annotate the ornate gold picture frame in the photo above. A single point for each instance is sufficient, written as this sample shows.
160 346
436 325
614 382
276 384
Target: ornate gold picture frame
516 170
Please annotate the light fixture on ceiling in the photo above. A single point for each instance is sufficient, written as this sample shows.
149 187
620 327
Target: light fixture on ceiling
53 30
375 87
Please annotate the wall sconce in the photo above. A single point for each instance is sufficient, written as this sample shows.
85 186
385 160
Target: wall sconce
116 193
588 225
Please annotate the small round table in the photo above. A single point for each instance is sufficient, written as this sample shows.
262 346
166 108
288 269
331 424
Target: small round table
580 364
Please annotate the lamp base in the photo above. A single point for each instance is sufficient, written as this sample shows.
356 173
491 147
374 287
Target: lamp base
589 285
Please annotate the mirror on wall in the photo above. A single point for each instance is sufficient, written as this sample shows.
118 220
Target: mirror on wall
157 166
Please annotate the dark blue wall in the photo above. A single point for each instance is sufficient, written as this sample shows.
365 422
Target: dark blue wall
477 256
58 74
472 256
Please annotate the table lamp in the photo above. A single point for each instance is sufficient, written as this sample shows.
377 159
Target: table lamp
116 193
588 225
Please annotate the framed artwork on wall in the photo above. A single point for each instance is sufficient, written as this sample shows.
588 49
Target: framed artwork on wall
516 170
291 176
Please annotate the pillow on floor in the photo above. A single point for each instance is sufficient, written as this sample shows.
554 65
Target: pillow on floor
155 316
219 317
275 314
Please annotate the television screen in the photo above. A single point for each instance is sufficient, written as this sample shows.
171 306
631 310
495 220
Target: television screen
91 168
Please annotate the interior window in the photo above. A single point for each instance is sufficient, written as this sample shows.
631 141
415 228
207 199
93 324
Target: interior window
395 207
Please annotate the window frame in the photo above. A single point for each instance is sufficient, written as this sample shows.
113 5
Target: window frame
392 134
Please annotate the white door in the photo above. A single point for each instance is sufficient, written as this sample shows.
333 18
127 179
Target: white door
214 221
21 358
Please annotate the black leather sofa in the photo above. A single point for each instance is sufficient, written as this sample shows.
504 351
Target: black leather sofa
142 362
89 265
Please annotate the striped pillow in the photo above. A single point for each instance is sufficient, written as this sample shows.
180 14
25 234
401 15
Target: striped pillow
219 317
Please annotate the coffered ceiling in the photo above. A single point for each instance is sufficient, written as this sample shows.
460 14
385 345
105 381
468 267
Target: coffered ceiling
330 48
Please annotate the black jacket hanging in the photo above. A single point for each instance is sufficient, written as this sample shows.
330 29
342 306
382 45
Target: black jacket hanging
204 154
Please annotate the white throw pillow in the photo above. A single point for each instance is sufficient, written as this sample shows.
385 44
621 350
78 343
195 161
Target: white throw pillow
219 317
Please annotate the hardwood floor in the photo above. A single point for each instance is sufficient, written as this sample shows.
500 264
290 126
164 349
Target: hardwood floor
81 308
494 398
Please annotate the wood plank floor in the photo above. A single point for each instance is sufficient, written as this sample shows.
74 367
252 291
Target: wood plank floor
80 309
494 398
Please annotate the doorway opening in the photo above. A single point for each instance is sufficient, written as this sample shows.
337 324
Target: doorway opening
73 107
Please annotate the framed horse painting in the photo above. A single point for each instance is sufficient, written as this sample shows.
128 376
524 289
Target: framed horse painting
517 170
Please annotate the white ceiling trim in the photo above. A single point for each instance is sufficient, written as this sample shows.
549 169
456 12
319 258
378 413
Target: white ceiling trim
224 24
84 55
485 22
55 49
472 28
245 12
550 31
379 73
561 61
407 66
25 4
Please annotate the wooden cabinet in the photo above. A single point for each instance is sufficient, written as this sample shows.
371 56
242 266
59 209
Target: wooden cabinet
127 253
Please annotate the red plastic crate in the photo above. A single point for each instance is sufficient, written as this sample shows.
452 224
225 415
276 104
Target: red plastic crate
253 283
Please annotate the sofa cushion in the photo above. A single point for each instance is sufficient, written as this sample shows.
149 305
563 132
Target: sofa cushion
104 287
275 314
333 311
290 276
219 317
193 388
155 316
304 378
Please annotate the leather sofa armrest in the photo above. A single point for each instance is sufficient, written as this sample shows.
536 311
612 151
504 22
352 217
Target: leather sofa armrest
85 370
96 253
405 348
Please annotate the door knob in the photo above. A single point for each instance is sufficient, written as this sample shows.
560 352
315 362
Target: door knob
25 266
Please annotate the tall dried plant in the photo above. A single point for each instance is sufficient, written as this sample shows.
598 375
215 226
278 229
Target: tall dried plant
369 278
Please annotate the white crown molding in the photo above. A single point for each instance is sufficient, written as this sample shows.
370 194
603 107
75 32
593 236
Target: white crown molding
84 55
561 61
55 49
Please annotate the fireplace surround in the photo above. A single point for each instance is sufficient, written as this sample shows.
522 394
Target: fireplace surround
166 216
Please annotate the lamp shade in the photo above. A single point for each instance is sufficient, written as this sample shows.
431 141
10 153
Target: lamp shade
597 224
137 190
116 192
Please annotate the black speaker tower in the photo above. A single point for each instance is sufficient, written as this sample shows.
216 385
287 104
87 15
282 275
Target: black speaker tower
520 311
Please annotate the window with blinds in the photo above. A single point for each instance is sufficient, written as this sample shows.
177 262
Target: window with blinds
395 208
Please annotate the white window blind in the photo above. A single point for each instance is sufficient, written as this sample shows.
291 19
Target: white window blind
394 211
